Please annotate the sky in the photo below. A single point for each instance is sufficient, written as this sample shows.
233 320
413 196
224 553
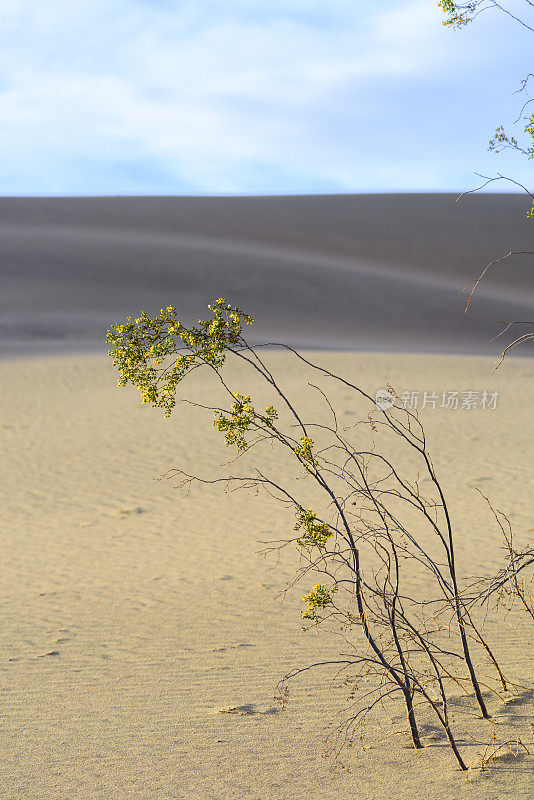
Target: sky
247 97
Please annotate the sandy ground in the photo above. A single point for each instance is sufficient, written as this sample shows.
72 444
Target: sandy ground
132 616
355 272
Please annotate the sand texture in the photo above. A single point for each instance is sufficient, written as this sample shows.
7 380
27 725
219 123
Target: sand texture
132 616
362 272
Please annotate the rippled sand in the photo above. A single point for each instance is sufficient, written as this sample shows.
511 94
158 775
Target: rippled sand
132 616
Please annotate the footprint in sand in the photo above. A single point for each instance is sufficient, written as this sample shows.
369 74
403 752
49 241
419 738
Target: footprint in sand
246 710
138 510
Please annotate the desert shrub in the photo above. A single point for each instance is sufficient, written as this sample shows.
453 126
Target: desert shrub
360 523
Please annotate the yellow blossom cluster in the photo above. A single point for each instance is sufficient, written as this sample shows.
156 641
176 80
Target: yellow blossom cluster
316 534
241 416
303 451
155 353
317 598
459 14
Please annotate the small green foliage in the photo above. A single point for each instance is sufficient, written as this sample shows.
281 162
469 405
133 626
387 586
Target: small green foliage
316 534
529 129
143 345
501 141
242 416
317 598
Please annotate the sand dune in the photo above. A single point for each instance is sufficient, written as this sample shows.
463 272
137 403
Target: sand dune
375 272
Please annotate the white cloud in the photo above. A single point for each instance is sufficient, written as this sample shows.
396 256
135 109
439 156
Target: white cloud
224 97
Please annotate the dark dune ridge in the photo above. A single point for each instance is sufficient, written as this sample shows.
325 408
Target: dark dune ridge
349 272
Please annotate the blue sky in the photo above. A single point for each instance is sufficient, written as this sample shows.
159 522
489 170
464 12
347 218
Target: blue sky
253 96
